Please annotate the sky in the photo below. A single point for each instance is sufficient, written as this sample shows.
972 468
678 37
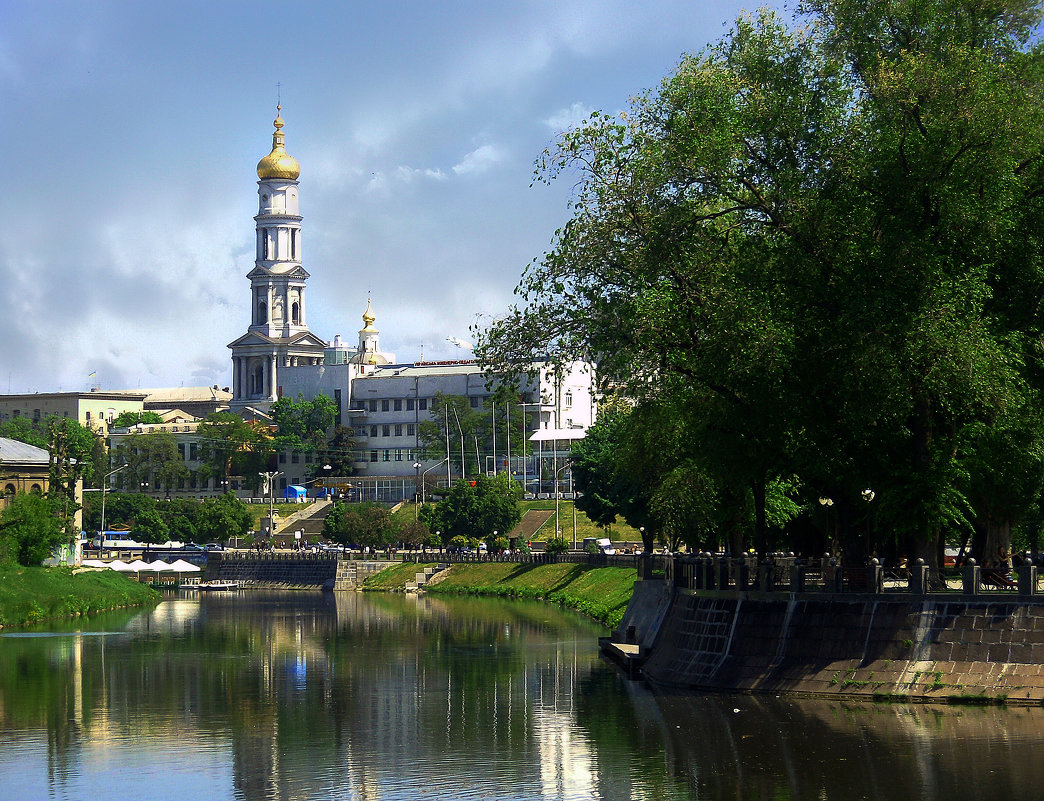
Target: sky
132 131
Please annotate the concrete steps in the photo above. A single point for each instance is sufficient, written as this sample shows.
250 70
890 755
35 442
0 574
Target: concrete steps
422 578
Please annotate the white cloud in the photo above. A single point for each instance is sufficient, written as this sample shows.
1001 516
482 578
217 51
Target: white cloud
408 174
478 160
566 118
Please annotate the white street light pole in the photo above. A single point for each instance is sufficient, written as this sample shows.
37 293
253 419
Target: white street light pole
105 479
416 481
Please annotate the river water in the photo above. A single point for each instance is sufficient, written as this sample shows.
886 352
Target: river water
315 696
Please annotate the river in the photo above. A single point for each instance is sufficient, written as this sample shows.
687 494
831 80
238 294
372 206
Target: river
265 696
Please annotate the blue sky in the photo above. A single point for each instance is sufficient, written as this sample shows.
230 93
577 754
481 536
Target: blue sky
131 132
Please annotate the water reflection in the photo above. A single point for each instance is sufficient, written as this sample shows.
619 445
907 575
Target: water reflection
311 696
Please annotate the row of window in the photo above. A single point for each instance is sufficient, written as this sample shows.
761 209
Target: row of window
389 430
396 405
392 455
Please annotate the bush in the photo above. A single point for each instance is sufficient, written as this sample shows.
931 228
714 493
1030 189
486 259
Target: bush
501 544
557 545
458 542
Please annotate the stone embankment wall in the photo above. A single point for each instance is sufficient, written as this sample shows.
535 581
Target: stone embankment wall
274 569
930 649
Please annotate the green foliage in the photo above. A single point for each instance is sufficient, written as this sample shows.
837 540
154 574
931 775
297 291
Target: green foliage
128 419
413 533
339 453
30 529
457 542
149 457
818 246
557 545
72 450
303 422
224 517
500 544
231 446
24 430
363 524
477 507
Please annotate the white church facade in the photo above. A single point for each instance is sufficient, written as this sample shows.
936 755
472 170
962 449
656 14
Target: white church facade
381 399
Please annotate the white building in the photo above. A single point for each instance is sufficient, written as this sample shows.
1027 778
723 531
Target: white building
383 400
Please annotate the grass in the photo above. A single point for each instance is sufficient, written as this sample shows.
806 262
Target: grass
599 592
34 594
618 532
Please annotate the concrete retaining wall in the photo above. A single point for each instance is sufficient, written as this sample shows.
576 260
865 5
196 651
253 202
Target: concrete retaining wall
923 649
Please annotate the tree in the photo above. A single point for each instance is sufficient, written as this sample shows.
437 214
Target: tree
24 430
229 445
821 242
30 529
339 453
71 448
150 457
366 524
303 423
222 518
128 419
476 508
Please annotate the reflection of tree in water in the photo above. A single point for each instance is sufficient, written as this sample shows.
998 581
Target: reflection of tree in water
356 684
766 747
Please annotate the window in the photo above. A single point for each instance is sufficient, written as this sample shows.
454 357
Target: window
36 414
295 457
387 455
373 456
386 431
398 405
373 431
181 450
308 457
194 451
475 401
567 401
409 404
373 406
422 404
398 429
282 457
411 430
398 454
384 405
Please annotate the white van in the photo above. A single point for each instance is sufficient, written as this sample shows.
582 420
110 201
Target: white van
605 545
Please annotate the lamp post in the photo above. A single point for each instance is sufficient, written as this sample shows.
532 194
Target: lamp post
416 481
270 486
426 473
104 489
525 436
868 495
558 528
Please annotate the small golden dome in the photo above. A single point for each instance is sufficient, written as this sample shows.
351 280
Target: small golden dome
278 163
368 316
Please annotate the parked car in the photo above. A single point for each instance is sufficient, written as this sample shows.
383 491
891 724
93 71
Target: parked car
213 546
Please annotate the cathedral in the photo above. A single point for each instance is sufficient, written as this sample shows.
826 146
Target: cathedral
278 338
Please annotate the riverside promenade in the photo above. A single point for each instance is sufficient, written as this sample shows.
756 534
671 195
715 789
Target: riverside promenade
813 627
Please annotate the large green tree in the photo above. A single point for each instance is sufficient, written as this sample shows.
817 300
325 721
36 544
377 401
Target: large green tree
823 241
31 527
232 446
475 508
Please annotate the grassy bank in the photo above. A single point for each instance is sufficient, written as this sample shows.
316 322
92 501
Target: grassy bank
599 592
33 594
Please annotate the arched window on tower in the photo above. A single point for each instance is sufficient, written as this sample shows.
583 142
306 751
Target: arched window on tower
293 243
257 381
264 240
295 313
262 313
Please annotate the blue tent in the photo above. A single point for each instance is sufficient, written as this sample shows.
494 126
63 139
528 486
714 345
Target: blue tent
294 493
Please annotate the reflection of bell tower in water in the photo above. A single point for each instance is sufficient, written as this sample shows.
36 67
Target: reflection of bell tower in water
278 334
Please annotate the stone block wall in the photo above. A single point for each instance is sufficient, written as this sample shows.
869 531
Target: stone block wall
926 649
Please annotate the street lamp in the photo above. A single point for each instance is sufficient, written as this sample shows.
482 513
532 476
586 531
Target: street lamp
867 495
105 479
558 529
426 473
416 481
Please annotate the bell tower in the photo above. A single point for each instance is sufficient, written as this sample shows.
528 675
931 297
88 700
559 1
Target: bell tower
278 334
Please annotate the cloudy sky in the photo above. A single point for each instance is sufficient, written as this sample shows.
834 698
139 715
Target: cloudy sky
132 131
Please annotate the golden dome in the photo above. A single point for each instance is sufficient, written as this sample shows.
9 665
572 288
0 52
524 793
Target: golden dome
369 317
278 163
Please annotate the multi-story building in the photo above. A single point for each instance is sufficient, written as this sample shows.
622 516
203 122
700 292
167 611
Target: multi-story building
95 409
382 399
